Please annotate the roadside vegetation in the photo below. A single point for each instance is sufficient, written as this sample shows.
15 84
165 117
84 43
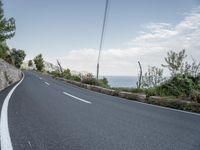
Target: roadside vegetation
7 31
180 90
30 63
39 62
86 79
183 82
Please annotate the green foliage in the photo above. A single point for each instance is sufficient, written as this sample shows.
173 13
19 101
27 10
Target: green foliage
153 77
89 79
195 95
75 78
7 31
175 62
9 59
178 85
7 27
184 78
3 50
103 83
30 63
151 91
192 70
39 62
66 74
18 57
55 73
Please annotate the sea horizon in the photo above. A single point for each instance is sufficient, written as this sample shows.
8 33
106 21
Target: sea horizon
122 81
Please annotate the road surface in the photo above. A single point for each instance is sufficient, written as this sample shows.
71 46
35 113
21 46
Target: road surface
47 114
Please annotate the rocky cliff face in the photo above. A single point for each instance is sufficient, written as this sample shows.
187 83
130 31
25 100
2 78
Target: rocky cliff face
8 74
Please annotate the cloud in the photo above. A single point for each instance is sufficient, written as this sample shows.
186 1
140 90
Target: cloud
150 47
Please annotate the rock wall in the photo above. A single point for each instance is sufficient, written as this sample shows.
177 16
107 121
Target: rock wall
8 74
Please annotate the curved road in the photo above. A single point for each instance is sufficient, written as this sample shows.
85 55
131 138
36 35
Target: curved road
46 114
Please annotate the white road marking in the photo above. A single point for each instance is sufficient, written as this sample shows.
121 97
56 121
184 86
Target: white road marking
88 102
133 101
40 78
47 83
6 143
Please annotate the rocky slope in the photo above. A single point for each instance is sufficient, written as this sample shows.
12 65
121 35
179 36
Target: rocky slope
8 74
47 66
50 67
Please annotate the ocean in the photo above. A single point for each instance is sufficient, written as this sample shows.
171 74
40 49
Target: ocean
122 81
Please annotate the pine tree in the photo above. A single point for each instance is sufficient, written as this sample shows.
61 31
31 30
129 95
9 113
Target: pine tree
7 27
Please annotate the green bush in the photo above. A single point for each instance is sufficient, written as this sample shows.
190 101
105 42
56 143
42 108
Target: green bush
66 74
151 92
195 96
3 50
103 83
55 74
89 79
197 87
176 86
75 78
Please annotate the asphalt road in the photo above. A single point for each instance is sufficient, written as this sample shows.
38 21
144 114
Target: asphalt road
46 114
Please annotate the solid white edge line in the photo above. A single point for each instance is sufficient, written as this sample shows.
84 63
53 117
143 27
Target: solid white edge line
6 143
88 102
46 83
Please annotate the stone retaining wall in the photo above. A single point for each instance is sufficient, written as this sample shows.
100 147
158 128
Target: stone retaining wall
155 100
8 74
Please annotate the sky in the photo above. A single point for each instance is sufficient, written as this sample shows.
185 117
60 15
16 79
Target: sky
136 30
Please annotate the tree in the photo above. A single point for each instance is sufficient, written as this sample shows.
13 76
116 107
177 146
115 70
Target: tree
30 63
153 77
3 50
192 69
175 62
60 67
7 27
66 74
39 62
18 56
7 31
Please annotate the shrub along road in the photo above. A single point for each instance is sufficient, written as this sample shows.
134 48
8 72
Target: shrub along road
44 113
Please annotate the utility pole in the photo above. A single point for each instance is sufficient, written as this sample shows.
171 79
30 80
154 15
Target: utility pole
102 36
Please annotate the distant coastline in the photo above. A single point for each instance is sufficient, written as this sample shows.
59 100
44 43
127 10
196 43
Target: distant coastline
122 81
